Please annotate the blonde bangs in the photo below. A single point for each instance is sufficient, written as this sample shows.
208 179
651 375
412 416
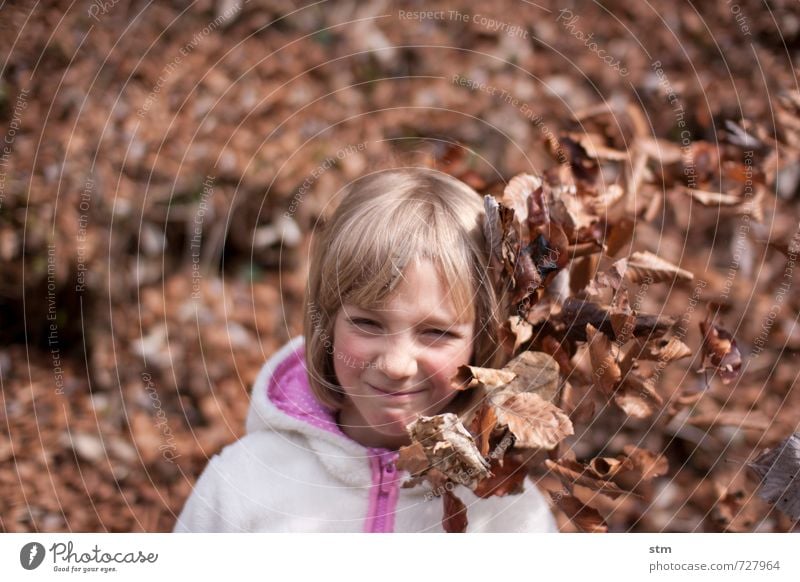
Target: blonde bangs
368 260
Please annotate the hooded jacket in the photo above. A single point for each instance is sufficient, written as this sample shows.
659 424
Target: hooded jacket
296 471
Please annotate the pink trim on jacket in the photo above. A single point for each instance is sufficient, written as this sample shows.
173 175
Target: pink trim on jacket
288 389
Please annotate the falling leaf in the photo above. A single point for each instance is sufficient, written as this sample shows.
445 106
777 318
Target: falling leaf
517 193
637 396
535 372
455 513
720 352
515 331
413 459
558 351
506 479
623 320
534 422
620 236
586 518
745 420
779 471
471 376
662 349
482 426
574 473
646 267
449 447
607 467
649 464
606 373
577 402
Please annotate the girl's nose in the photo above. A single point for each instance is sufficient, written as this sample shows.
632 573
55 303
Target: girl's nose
398 360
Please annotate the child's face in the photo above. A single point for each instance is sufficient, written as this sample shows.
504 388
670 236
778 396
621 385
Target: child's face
396 363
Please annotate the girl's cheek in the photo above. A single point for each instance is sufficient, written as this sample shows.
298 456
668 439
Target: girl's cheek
354 349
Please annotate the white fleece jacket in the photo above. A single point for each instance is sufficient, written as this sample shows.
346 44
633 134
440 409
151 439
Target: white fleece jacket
295 471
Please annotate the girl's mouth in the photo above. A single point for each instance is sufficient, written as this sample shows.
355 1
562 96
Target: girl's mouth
396 394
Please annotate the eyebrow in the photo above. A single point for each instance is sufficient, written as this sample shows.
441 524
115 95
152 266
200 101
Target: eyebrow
431 320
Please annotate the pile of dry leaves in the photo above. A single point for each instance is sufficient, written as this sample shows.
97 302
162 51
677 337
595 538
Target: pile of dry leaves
586 351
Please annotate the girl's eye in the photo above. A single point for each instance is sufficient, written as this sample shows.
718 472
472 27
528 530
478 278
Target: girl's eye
439 333
358 322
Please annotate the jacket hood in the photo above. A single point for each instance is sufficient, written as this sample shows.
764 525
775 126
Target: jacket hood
282 402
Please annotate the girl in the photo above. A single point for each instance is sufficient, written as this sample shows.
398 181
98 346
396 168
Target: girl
398 298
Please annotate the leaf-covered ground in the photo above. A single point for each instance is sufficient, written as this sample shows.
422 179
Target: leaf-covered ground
163 165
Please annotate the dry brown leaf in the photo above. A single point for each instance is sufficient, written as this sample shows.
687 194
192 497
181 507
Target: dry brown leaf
720 352
534 422
517 193
607 467
647 463
619 236
746 420
623 322
577 402
507 478
662 349
574 473
646 267
413 459
637 396
586 518
606 373
482 426
536 373
454 519
515 332
449 448
471 376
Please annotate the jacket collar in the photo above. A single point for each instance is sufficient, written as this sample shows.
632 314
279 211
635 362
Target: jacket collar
282 400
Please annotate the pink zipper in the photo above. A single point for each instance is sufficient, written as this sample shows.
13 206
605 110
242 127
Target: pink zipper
383 495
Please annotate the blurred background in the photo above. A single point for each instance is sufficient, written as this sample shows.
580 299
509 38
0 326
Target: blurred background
164 164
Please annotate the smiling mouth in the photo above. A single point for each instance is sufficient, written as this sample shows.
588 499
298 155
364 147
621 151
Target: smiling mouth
395 394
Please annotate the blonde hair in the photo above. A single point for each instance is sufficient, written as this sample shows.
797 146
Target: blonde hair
385 221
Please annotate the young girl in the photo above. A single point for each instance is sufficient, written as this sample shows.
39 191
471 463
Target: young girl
398 298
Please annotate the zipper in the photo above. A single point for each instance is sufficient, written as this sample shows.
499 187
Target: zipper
383 499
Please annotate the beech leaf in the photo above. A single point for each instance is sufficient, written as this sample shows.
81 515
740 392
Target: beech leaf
606 373
454 519
644 266
449 448
534 422
535 372
586 518
574 473
470 376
